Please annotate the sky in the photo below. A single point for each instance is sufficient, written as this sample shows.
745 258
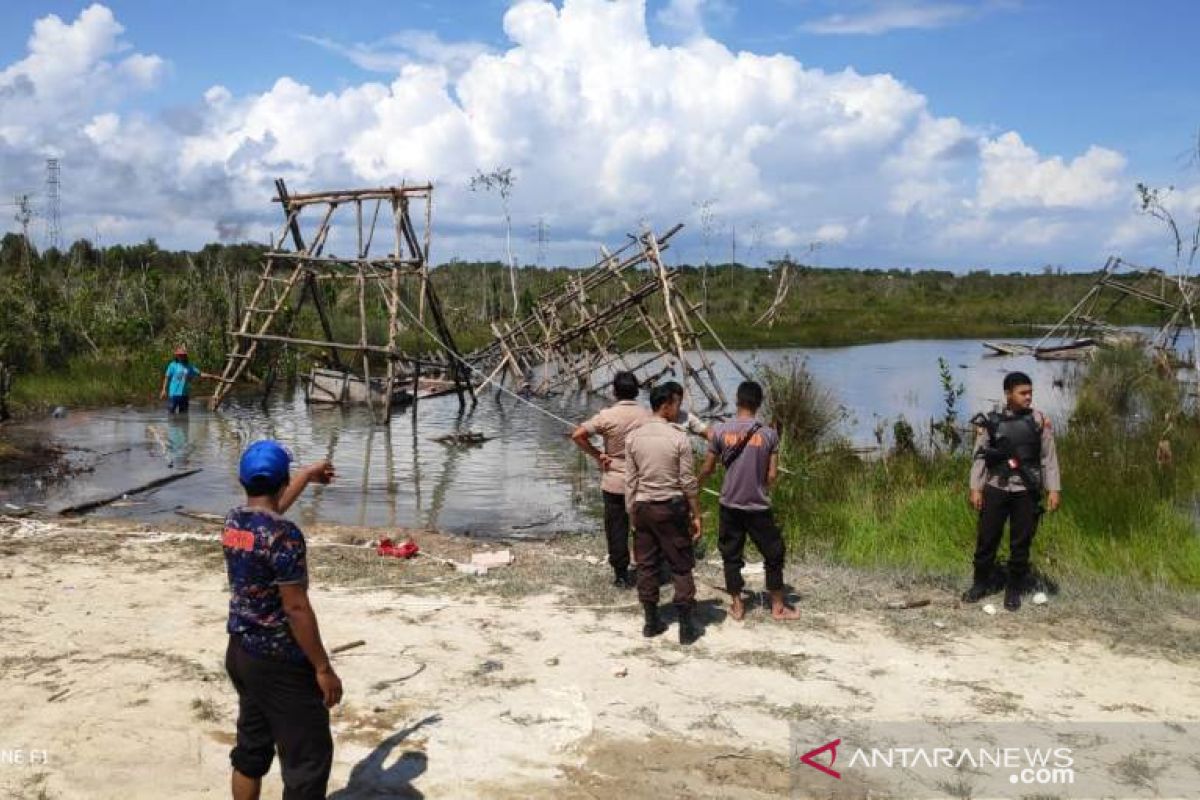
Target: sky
997 134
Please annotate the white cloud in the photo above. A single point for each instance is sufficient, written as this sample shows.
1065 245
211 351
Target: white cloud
685 18
71 69
392 53
602 125
884 16
1013 175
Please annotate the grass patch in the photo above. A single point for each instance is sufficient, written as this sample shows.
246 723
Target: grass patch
1129 511
111 379
205 710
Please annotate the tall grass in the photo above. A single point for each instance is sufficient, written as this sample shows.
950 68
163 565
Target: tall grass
114 379
1124 513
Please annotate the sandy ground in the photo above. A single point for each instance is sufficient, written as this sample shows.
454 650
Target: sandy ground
500 687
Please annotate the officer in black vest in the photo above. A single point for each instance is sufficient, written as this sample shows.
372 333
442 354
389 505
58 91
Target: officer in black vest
1015 462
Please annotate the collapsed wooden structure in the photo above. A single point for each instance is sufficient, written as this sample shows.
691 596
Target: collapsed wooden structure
625 312
1118 282
1087 325
296 268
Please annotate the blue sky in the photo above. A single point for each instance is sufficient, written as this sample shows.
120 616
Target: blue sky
1062 77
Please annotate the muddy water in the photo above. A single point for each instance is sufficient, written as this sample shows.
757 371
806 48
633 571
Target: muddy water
529 479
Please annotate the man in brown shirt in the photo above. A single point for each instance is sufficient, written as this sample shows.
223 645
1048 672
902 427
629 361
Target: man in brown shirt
1014 462
613 424
662 493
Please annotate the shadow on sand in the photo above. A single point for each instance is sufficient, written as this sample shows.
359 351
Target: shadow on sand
370 779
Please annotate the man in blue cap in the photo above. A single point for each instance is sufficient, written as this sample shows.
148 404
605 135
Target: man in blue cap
275 658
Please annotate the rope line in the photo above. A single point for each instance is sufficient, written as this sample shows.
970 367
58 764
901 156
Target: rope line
476 370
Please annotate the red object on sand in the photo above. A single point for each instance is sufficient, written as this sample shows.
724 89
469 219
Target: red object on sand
406 549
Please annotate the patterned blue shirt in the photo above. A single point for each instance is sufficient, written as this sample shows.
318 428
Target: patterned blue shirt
178 377
262 552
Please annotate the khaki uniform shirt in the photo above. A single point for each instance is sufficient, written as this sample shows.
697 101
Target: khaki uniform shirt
690 423
613 425
659 464
1051 476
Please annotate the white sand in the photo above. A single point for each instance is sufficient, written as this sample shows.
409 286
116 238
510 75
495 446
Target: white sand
135 637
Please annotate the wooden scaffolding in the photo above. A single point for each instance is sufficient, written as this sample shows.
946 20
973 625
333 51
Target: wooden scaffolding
1119 282
296 269
625 312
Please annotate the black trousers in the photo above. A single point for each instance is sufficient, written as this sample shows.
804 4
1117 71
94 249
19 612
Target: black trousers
616 531
280 706
661 531
736 525
1019 509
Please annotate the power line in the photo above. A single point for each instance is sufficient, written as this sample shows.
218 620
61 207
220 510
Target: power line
541 235
53 205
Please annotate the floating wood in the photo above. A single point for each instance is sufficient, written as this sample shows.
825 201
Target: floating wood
91 505
467 438
202 516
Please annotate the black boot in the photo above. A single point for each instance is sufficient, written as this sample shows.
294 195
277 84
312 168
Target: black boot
688 631
623 579
654 624
979 585
1012 591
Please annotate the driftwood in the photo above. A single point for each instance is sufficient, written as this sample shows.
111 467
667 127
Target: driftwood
902 605
467 438
341 648
92 505
202 516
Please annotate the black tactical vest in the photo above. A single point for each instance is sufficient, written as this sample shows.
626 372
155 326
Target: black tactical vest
1018 435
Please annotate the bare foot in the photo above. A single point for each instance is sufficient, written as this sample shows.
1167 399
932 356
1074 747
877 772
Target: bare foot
737 607
782 612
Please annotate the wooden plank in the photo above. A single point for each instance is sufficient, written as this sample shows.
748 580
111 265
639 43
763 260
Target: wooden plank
91 505
267 337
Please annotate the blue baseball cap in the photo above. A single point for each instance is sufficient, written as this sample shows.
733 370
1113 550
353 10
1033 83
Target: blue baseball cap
264 466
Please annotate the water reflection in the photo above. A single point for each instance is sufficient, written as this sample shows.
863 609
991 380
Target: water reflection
529 477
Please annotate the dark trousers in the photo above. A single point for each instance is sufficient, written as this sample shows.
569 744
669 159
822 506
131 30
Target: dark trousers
280 706
177 404
661 531
1019 509
616 531
735 525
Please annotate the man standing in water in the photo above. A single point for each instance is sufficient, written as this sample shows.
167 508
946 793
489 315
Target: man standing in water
177 379
613 425
661 490
1014 462
749 451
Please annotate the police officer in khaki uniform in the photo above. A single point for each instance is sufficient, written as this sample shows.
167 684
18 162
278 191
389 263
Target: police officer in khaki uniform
1015 461
662 493
612 425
